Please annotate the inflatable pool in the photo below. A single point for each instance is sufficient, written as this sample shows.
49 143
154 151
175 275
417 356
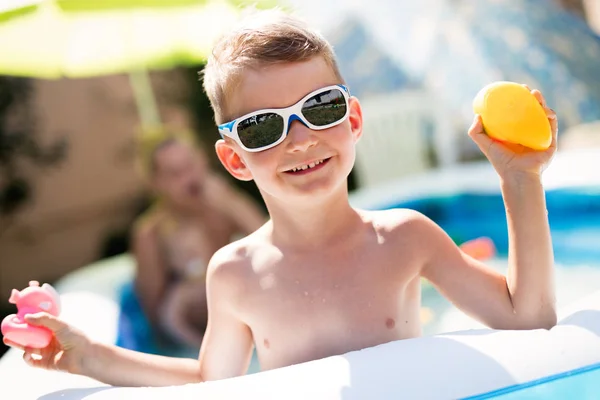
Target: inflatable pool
475 364
560 363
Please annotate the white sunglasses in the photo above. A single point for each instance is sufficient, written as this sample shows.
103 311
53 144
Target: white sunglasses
263 129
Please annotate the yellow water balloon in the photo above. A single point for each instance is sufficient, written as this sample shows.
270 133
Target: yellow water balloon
511 113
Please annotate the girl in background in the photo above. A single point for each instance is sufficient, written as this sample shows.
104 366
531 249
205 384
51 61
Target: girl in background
195 213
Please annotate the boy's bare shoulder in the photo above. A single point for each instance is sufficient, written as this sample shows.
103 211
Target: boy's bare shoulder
234 262
405 233
401 225
396 219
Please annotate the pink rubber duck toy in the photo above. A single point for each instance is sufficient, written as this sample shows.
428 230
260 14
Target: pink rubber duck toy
31 300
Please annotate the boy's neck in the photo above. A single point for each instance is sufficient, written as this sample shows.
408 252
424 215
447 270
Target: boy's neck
315 223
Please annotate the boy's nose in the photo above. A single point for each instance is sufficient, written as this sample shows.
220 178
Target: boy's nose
300 137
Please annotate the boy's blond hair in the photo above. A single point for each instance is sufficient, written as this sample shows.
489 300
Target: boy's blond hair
262 38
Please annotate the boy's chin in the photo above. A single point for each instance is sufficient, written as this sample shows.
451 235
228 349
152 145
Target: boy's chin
311 192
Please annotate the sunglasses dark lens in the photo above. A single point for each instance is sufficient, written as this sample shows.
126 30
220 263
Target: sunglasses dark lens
325 108
260 130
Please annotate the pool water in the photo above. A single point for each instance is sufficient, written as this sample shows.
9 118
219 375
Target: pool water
574 216
580 384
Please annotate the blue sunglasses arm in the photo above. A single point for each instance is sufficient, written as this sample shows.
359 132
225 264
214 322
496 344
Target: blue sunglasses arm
228 126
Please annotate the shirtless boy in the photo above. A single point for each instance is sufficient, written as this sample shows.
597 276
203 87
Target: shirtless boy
322 278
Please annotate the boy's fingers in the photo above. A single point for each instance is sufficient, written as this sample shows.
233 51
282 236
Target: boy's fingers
554 128
550 113
553 119
33 350
10 343
35 362
540 98
46 320
477 133
476 126
27 350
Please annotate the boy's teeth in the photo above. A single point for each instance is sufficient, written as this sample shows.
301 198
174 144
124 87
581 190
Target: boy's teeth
311 165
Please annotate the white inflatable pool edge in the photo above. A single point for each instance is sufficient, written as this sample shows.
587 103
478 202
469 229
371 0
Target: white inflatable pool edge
448 366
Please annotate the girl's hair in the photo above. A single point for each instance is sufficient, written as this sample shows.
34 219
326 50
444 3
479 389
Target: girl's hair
150 141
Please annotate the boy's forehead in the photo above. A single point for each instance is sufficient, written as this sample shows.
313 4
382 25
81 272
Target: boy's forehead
278 85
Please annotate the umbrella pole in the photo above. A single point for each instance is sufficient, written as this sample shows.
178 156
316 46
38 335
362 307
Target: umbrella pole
144 98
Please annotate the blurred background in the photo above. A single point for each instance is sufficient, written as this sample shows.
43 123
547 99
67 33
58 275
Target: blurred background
76 86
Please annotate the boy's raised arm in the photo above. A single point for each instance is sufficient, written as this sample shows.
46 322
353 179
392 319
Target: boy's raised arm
525 299
530 256
522 300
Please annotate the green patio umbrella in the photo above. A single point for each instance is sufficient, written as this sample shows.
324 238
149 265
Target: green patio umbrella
52 39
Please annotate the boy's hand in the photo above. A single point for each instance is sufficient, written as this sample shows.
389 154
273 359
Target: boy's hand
513 159
66 351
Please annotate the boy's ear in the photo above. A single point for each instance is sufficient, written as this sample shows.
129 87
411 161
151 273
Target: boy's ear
356 118
232 161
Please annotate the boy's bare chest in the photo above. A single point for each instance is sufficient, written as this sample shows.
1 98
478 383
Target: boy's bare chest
323 307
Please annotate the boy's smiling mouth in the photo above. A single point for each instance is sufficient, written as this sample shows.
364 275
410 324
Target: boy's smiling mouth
309 167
